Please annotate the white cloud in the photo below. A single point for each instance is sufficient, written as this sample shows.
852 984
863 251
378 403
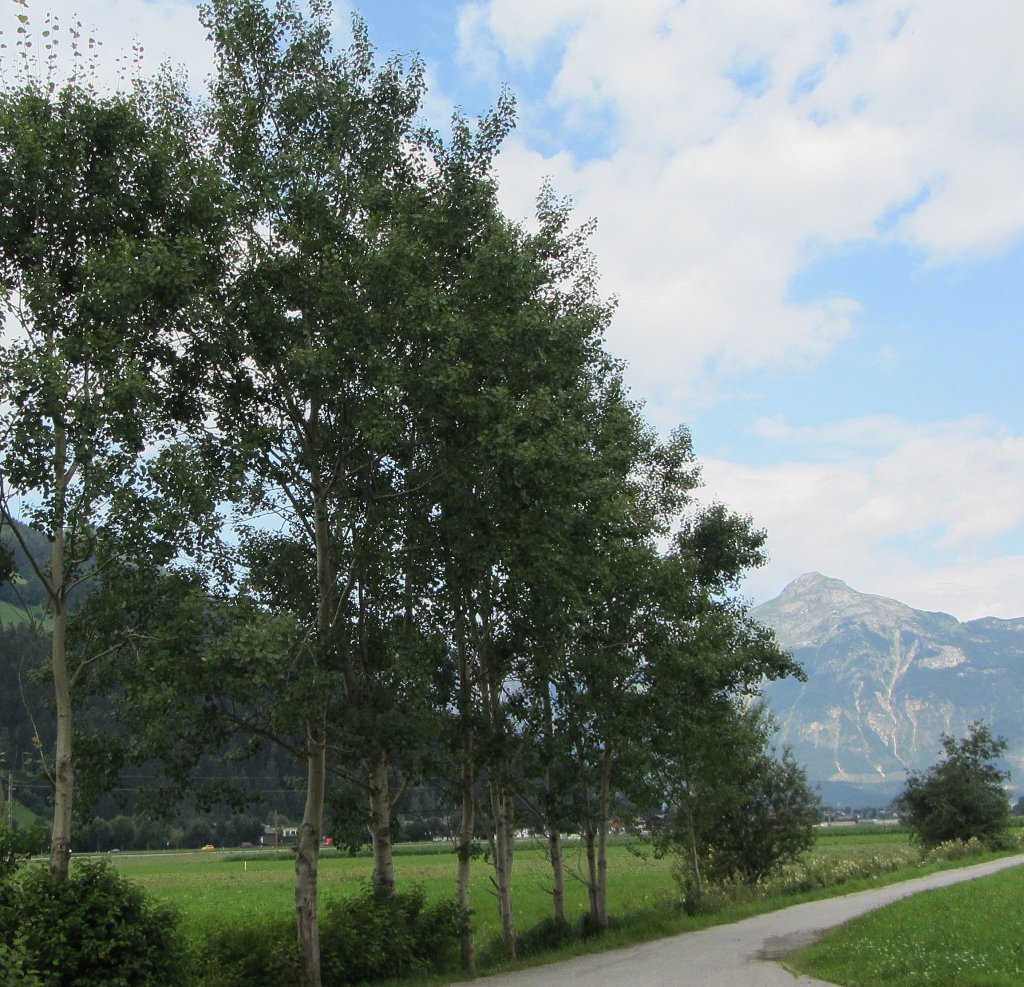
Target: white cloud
864 121
932 515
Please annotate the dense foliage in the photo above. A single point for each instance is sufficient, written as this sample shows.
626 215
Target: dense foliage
95 929
769 823
364 938
737 811
334 458
962 796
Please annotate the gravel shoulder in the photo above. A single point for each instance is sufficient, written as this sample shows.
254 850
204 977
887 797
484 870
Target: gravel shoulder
743 954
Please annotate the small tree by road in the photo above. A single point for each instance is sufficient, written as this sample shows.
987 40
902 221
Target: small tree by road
961 796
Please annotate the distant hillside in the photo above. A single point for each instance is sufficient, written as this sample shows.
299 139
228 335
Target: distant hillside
885 681
24 593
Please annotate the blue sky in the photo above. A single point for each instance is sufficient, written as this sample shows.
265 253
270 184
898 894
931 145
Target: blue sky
812 216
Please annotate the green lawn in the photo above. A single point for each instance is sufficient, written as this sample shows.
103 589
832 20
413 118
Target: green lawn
208 886
967 935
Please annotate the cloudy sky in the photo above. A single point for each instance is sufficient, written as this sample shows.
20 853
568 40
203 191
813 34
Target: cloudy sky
811 213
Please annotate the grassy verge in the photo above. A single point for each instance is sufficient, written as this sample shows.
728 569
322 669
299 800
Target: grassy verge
967 935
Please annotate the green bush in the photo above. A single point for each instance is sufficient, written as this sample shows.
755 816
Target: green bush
961 797
10 855
250 954
12 970
799 878
370 937
96 929
377 936
957 850
545 936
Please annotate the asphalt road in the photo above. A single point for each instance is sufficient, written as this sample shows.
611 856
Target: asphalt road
744 954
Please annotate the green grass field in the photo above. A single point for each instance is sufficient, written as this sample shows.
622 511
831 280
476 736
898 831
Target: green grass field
967 935
208 886
212 889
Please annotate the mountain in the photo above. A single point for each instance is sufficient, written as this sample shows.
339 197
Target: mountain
884 682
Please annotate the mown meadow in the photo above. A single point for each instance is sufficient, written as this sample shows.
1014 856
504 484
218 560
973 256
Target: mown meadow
238 886
967 935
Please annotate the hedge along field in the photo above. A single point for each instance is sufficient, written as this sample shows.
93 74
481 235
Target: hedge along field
220 887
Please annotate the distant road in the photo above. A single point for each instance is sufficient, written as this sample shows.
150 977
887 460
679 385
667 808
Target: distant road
737 955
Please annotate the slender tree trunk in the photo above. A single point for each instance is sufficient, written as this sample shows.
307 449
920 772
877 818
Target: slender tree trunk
587 830
691 824
466 782
602 839
465 850
509 822
308 858
309 836
588 843
64 774
552 820
502 856
380 826
500 799
557 874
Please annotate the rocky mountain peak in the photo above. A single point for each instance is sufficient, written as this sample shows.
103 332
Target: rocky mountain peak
815 606
885 681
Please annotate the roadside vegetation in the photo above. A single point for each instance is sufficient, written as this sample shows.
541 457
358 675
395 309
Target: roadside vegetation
234 908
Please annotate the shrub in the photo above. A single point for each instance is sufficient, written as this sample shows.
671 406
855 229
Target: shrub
770 823
12 970
250 954
370 937
96 929
957 850
798 878
545 936
377 936
10 855
962 795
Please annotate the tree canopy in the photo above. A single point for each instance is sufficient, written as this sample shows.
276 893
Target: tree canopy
337 450
108 232
961 797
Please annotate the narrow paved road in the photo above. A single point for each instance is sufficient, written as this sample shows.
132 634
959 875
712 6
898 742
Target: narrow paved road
737 955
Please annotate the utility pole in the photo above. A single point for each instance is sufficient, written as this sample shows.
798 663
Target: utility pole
10 798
